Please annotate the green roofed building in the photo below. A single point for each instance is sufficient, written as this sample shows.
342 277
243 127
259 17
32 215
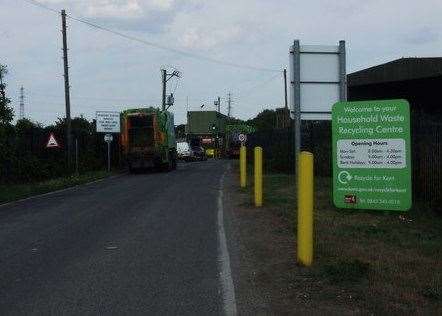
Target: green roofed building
205 123
212 130
204 127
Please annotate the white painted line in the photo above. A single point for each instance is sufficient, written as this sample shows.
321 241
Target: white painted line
224 258
59 191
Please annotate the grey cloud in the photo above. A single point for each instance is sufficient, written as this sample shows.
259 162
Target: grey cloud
155 23
253 32
422 36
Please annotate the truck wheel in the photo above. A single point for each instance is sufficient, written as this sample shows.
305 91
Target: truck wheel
174 163
172 160
167 166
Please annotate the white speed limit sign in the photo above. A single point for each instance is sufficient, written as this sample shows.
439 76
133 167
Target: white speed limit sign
242 138
108 138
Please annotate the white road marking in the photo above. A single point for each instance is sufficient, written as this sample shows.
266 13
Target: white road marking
224 258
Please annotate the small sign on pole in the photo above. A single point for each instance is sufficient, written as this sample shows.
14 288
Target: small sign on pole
108 138
242 138
372 155
108 122
52 142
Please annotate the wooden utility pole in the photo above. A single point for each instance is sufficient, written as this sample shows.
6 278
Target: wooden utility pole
2 86
164 78
285 88
66 90
218 115
164 81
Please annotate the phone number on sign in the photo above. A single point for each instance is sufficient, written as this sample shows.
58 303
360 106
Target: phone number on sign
383 201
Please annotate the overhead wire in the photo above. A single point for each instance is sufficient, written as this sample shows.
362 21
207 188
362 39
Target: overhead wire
155 45
89 98
262 83
166 48
41 5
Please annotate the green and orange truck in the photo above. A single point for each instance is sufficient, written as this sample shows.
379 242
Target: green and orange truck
148 139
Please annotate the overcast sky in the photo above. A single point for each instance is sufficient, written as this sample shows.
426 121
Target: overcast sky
111 73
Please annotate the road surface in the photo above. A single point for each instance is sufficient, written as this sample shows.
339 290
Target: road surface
134 244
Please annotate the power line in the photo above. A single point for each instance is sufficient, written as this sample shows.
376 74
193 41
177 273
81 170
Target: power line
41 5
262 83
155 45
91 98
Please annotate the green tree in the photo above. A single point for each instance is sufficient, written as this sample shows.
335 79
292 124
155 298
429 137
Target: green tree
6 112
25 124
79 126
180 131
264 121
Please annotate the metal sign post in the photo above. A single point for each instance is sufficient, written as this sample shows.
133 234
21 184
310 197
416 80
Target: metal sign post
317 81
296 99
76 156
108 157
108 122
108 139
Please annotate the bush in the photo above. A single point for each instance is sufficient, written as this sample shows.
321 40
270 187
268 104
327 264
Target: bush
25 158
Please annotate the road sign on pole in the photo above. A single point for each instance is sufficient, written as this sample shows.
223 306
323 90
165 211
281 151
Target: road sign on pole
108 121
52 142
318 79
372 155
108 138
242 138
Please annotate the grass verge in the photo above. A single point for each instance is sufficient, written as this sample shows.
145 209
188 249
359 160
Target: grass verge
366 261
13 192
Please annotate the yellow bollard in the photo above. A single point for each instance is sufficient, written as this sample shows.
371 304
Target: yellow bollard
243 166
258 176
305 208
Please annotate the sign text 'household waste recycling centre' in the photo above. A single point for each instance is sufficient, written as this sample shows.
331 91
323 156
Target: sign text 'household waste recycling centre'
372 155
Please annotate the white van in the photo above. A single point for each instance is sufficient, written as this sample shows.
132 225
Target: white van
184 151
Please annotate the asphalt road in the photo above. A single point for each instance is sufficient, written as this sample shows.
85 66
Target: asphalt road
135 244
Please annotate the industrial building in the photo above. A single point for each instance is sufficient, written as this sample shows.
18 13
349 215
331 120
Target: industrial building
207 127
418 80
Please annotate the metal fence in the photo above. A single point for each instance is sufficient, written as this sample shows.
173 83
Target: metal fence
427 161
278 147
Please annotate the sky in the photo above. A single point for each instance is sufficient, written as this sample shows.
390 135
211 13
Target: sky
109 72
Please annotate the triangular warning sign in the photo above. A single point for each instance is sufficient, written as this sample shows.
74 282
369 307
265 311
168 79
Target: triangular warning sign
52 142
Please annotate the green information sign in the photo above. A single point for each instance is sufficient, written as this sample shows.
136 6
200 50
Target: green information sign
372 155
